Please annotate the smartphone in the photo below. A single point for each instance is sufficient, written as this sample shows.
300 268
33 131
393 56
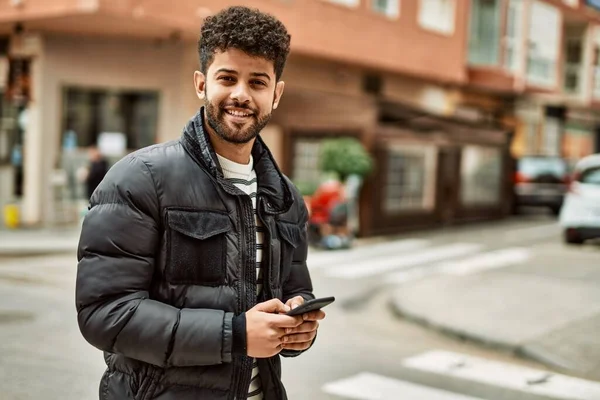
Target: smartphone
311 305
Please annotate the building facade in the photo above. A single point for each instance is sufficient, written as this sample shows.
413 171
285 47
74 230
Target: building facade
410 79
542 58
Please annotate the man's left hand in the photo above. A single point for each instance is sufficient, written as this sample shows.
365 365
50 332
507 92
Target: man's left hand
301 337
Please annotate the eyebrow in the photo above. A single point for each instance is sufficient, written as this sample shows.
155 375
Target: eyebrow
234 72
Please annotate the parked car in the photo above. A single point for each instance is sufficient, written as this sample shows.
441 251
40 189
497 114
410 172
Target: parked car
541 181
580 215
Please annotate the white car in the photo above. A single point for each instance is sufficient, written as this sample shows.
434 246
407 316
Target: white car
580 214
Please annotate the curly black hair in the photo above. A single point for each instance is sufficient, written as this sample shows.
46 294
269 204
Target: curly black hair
249 30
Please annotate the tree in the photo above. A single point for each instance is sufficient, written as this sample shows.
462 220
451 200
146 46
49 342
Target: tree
345 157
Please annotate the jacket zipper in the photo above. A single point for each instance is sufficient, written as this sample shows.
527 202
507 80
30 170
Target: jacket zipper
248 273
266 260
267 286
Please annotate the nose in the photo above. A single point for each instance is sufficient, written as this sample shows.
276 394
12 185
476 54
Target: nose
241 93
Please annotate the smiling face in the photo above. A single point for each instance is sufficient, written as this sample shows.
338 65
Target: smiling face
240 92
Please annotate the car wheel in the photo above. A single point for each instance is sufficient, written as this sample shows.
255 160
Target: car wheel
572 237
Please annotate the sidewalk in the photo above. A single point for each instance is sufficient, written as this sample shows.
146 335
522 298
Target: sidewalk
549 316
24 242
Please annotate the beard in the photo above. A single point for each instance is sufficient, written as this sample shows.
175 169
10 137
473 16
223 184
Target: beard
234 132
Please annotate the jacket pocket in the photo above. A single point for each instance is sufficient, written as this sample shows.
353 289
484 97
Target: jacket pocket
290 233
197 247
290 236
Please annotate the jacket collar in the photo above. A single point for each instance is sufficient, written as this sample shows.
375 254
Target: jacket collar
272 185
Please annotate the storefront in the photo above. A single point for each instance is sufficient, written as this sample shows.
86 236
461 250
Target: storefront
580 131
438 171
14 99
429 171
116 94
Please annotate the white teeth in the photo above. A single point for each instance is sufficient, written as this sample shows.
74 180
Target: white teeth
237 113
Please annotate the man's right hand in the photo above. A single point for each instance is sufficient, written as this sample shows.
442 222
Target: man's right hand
265 328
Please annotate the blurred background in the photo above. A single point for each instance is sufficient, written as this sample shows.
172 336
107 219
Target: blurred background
445 149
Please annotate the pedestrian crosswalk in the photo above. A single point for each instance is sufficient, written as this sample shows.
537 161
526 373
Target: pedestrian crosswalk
412 259
473 264
379 265
464 373
326 259
368 386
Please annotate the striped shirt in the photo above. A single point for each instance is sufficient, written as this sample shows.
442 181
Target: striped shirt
243 177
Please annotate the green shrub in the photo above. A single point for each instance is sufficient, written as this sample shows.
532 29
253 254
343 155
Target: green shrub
345 157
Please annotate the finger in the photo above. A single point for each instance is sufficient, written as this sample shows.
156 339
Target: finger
307 326
314 315
277 334
285 321
295 302
296 346
272 306
299 338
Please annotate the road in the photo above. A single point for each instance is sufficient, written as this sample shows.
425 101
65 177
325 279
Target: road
42 355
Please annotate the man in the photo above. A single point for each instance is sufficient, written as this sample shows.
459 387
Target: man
193 250
97 169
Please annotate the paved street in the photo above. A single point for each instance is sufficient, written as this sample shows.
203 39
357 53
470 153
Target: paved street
364 349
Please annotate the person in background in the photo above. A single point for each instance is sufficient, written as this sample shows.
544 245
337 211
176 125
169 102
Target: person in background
97 169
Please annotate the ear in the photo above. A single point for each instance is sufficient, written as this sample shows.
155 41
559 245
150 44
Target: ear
200 84
278 93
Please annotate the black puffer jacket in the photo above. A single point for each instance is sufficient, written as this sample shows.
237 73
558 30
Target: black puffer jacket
167 269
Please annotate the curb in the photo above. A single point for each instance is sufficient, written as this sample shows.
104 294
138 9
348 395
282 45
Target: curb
20 251
530 352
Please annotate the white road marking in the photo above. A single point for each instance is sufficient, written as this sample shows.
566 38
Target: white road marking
410 275
533 232
485 261
368 386
319 259
477 263
398 261
517 378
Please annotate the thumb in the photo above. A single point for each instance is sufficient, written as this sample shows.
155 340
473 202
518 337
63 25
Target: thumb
296 302
272 306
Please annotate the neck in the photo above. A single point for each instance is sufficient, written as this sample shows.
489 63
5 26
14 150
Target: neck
236 152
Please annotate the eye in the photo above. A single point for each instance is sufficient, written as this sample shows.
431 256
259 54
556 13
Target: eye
226 78
258 82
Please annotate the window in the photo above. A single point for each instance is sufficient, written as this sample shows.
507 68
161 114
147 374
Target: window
596 61
596 69
8 128
484 40
350 3
90 112
410 178
590 176
513 50
573 67
544 40
481 175
593 3
532 168
306 174
391 8
437 15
